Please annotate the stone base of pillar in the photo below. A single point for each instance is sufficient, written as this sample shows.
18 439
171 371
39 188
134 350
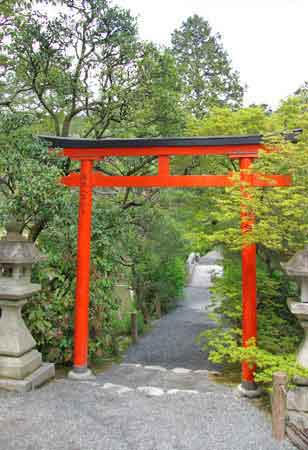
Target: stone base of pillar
36 379
249 390
85 375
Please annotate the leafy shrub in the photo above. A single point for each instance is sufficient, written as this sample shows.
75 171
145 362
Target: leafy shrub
50 317
279 333
170 280
158 261
122 327
160 281
50 314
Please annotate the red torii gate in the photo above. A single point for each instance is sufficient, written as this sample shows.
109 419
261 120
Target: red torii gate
242 148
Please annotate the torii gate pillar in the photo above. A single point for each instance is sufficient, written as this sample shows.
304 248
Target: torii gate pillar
248 386
81 330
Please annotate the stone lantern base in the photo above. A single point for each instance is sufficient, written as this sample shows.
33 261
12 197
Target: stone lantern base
297 397
297 404
21 367
36 379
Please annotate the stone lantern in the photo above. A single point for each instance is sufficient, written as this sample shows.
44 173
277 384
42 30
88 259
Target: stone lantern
21 367
297 398
297 267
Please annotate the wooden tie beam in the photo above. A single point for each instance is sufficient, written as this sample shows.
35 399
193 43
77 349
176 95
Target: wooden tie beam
168 181
243 148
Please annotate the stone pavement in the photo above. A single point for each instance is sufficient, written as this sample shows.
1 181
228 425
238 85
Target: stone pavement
162 397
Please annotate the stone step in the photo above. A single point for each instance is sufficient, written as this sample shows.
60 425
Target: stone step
112 389
129 377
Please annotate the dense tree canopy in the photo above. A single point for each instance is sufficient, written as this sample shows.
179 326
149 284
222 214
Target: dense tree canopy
81 61
205 68
85 71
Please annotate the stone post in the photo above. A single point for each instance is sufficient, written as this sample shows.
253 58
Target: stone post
21 367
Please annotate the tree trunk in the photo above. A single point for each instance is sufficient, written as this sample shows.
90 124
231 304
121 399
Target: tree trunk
36 230
66 126
146 315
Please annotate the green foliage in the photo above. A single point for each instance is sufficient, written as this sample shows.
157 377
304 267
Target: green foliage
158 281
85 71
169 281
73 64
226 349
279 333
158 261
273 289
204 67
280 212
223 121
30 191
29 175
122 326
155 107
282 224
82 71
279 231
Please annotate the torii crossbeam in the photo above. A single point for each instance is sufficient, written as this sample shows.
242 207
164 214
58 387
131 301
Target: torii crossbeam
242 148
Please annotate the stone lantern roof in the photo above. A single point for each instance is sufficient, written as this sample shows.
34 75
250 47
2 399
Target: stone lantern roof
16 249
297 266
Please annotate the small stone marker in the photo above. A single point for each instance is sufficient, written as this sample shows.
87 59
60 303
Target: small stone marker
130 365
158 368
181 370
117 388
151 391
182 391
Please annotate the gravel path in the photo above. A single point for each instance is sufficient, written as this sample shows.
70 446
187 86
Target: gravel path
163 397
171 342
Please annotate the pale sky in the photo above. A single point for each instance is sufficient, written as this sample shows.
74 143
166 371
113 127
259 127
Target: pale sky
267 40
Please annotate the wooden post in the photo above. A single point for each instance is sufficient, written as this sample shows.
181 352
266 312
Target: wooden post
158 310
279 405
163 165
134 327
